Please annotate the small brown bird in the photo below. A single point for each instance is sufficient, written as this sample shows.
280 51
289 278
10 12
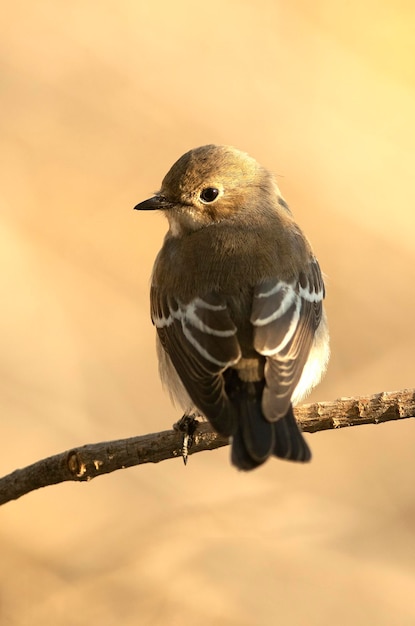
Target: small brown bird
237 300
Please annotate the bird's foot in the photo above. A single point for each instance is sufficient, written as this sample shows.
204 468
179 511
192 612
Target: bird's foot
187 425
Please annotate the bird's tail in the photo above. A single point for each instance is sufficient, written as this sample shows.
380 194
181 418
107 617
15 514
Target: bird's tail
256 438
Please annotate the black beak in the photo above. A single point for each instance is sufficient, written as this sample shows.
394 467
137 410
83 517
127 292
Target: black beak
152 204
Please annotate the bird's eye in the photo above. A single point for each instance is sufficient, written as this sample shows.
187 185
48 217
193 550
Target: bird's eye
209 194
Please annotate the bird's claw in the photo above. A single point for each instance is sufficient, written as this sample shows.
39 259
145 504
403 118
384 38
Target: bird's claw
187 425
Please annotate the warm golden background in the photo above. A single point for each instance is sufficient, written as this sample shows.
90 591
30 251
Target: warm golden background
97 101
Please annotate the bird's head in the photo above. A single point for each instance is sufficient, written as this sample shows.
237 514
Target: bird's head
208 185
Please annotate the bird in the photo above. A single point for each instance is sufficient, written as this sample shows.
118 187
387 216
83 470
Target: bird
237 301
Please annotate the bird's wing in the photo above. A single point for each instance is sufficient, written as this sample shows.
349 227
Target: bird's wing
200 339
285 316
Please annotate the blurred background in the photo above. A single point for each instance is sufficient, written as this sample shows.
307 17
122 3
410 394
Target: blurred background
98 99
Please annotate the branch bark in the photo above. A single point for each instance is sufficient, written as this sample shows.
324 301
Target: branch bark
92 460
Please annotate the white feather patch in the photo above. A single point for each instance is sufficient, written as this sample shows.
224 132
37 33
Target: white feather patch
311 296
189 314
162 322
186 314
288 335
287 301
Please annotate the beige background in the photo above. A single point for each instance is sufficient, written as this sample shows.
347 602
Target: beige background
97 101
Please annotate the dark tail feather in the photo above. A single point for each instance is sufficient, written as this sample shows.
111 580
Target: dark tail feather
253 441
289 441
240 456
256 438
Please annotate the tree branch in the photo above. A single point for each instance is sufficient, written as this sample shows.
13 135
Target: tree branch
92 460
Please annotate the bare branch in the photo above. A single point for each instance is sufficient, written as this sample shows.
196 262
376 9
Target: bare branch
92 460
